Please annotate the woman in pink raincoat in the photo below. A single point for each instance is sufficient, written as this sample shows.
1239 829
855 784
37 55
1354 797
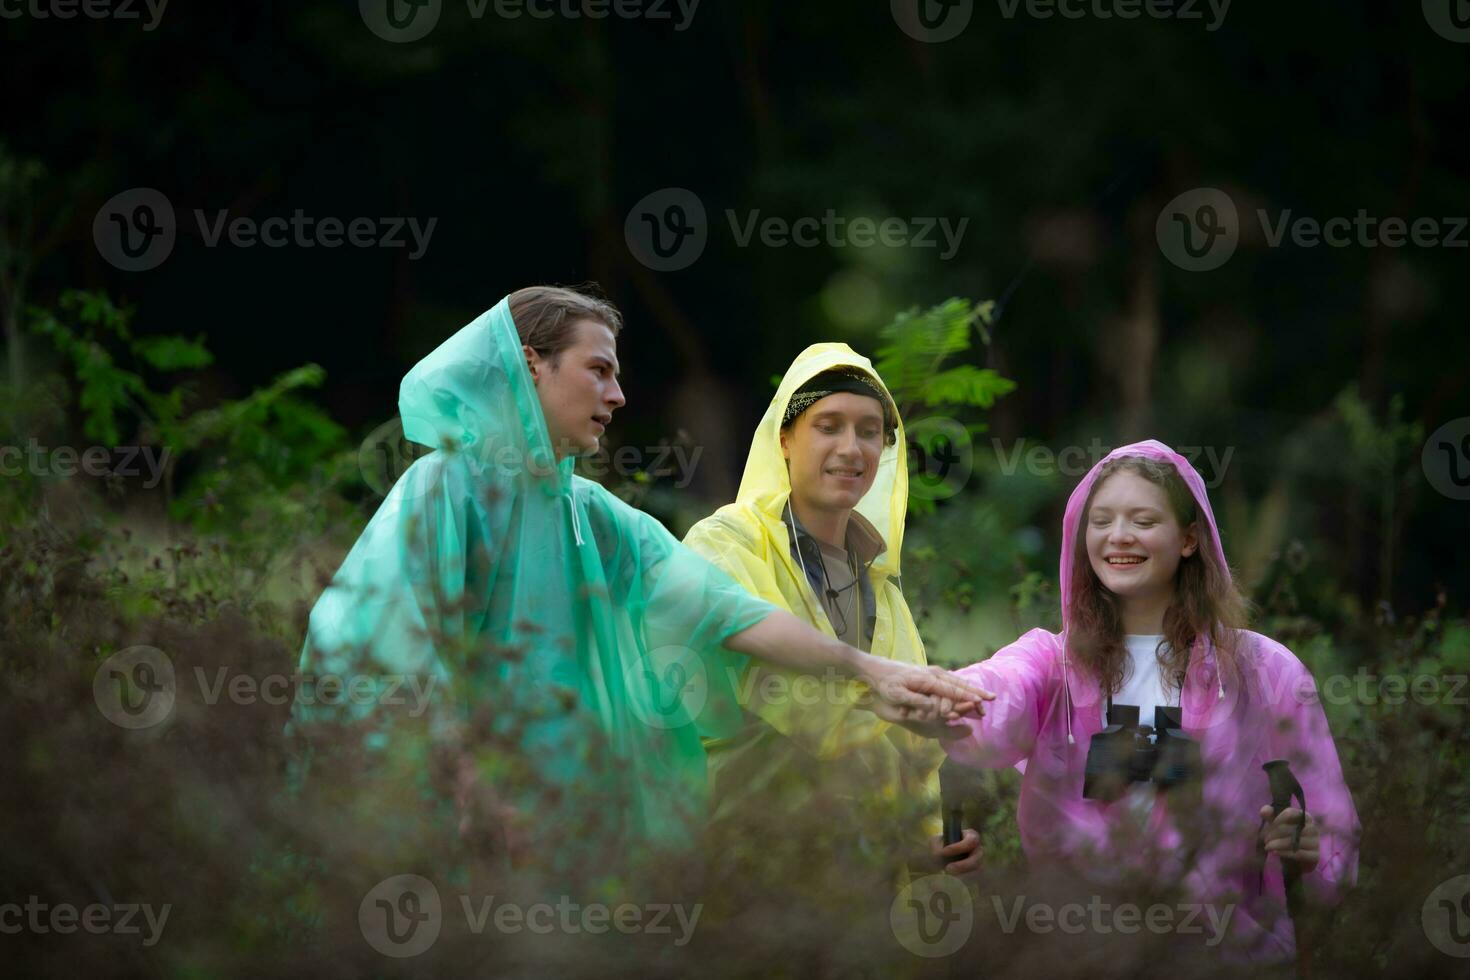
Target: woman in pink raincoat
1150 617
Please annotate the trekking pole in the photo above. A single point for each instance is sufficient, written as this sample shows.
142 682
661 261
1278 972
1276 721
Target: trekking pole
1284 786
956 785
954 807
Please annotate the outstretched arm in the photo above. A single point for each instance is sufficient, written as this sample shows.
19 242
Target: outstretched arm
904 693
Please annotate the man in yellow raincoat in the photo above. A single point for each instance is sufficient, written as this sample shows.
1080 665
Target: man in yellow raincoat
816 529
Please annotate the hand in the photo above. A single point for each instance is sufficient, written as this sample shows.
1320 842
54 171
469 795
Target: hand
920 693
925 724
1279 837
961 857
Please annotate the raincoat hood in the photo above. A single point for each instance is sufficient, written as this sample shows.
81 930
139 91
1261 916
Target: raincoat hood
766 483
1209 533
474 394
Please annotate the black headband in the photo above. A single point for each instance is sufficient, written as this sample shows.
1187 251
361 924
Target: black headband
831 383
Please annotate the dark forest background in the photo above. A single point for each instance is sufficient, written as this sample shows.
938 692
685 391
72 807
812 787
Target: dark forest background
1330 378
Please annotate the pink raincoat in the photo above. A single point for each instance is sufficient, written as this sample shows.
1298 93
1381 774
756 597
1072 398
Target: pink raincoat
1047 710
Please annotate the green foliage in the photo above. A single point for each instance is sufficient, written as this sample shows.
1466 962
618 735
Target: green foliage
915 345
250 447
173 353
1387 455
106 388
1383 449
911 358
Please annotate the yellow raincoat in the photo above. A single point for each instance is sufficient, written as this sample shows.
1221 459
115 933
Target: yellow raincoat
799 736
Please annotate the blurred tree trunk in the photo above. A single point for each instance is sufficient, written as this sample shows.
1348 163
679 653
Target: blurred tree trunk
22 246
18 179
14 344
1129 348
700 403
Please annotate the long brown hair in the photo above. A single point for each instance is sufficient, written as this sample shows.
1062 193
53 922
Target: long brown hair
1206 603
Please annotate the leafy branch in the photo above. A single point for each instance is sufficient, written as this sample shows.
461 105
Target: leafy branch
276 434
913 351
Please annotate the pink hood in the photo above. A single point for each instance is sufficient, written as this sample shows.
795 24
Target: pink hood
1152 449
1047 710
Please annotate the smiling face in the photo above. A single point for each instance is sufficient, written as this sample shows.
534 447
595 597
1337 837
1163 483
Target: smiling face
1134 539
578 388
833 449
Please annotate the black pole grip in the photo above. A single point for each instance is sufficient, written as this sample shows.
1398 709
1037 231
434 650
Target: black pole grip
954 825
952 793
1284 786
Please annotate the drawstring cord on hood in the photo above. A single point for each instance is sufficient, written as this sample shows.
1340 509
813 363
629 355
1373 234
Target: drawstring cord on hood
571 500
1067 688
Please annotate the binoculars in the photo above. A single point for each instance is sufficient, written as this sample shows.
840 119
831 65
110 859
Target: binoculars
1124 753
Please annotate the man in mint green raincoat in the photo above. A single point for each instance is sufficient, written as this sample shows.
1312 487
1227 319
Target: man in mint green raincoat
549 619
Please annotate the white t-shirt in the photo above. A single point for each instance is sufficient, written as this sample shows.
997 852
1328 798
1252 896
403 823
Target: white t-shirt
1143 685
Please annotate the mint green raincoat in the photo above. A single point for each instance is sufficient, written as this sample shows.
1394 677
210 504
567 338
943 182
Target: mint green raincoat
571 630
